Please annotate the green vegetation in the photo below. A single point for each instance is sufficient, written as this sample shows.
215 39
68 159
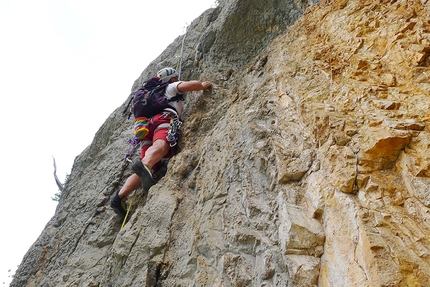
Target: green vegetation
57 196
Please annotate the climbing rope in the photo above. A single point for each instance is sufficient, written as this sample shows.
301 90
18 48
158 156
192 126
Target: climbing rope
128 210
133 144
179 64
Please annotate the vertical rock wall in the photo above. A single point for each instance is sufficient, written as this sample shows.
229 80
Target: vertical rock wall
307 165
358 83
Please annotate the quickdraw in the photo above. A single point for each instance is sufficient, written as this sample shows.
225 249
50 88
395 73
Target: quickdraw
134 143
173 131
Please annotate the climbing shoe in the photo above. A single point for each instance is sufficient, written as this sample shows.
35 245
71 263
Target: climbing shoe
118 205
144 174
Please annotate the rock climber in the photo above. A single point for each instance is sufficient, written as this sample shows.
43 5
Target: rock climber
157 144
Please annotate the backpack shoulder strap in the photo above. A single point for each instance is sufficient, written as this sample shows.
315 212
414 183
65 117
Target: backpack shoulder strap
178 97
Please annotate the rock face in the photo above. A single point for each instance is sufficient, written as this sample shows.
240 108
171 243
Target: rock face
307 165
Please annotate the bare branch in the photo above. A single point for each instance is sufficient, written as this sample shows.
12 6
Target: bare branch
59 184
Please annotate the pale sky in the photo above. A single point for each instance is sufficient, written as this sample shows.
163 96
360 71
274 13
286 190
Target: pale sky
65 66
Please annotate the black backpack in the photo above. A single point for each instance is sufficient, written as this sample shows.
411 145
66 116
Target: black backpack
151 99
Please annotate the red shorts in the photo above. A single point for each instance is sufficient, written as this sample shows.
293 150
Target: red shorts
158 128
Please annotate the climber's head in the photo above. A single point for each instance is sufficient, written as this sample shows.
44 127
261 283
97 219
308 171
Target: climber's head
166 74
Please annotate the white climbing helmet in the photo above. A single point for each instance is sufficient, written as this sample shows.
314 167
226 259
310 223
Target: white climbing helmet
166 74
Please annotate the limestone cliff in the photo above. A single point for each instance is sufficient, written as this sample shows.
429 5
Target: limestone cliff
307 165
